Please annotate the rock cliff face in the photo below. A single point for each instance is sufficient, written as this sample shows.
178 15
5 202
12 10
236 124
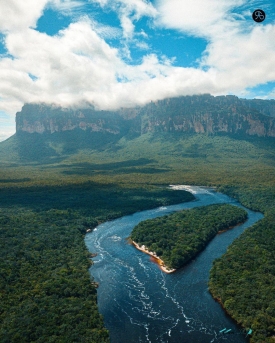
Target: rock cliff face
41 118
194 114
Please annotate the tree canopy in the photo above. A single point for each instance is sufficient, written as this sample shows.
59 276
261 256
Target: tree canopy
179 237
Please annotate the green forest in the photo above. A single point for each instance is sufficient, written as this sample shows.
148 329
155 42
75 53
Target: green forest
179 237
46 294
46 291
42 199
249 263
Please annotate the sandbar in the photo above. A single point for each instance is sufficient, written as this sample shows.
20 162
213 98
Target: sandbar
157 259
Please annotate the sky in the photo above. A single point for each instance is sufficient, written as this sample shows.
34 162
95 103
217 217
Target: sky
124 53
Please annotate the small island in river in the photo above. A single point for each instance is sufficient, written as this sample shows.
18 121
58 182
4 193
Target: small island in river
173 240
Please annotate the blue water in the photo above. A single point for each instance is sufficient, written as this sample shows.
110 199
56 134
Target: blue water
142 304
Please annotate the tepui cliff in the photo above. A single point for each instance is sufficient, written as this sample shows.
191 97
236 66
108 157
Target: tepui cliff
204 114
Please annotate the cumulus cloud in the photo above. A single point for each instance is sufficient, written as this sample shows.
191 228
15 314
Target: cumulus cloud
64 66
18 15
77 67
241 53
196 17
248 61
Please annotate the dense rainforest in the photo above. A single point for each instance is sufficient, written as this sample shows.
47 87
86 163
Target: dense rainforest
46 294
45 288
89 186
249 264
243 279
179 237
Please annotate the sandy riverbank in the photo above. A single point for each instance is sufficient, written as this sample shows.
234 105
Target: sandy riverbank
158 260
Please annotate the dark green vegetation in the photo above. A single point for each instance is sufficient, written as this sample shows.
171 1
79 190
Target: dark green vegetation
85 178
46 294
244 280
179 237
242 168
45 288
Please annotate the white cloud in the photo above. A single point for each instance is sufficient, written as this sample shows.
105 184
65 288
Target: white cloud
142 45
77 67
6 132
200 18
241 51
127 26
105 31
67 7
271 95
246 62
129 11
7 127
65 65
67 4
18 15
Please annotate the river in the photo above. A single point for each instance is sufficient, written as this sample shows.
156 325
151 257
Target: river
142 304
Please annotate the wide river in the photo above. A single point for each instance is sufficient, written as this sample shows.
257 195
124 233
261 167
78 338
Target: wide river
142 304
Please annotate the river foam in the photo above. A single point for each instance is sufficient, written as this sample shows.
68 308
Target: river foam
142 304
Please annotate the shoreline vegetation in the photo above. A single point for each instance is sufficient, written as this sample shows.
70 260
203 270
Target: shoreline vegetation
42 174
156 258
49 293
175 239
159 261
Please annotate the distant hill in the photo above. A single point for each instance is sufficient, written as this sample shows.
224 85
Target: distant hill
50 131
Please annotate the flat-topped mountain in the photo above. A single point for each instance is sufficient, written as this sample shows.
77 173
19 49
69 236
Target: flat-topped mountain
51 132
193 114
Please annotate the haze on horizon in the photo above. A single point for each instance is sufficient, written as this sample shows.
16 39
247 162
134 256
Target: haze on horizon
114 53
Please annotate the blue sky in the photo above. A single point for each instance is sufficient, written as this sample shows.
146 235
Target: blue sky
114 53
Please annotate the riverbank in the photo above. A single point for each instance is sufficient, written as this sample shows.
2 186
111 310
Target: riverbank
231 227
156 258
180 236
141 294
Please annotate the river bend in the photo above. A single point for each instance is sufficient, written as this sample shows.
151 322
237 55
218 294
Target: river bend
142 304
